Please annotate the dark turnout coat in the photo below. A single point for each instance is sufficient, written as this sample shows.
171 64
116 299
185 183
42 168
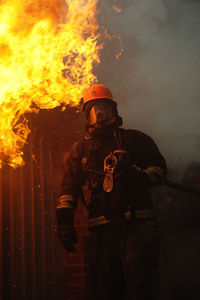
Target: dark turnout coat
85 166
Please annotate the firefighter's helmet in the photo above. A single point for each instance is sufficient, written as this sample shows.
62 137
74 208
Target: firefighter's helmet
100 107
97 92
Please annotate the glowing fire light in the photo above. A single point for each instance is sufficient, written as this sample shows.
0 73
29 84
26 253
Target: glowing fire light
48 49
117 9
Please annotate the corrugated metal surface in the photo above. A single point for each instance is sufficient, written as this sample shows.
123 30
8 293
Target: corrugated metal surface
32 262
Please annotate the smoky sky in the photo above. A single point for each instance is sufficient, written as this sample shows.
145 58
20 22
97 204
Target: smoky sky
156 79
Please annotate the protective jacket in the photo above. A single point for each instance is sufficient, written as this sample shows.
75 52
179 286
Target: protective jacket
131 193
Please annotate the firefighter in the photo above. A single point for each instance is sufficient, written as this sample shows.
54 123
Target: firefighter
119 167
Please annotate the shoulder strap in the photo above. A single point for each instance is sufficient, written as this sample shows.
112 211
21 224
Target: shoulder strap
86 147
85 151
83 200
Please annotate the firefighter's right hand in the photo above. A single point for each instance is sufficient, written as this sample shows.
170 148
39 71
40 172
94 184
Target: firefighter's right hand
68 237
123 165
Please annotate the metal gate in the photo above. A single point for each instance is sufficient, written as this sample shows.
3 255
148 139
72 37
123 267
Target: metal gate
32 262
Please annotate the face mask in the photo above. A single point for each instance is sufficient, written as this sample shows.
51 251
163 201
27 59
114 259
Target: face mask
102 114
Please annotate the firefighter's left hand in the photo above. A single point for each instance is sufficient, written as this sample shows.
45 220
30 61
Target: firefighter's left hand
67 236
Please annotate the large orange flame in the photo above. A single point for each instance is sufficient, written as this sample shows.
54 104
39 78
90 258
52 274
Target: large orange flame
48 49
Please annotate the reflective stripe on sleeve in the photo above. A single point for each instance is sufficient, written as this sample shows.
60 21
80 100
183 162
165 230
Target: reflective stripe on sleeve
154 173
66 201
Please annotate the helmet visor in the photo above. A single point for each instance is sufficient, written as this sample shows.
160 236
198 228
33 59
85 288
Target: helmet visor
101 113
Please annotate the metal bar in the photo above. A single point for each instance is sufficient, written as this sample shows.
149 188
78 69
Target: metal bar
33 255
12 233
52 220
22 221
42 221
6 290
1 237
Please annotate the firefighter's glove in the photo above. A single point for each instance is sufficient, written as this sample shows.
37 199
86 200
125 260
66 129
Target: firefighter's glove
140 175
149 177
137 174
65 229
123 165
67 236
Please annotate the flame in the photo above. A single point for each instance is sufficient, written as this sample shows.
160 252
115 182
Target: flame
117 9
48 49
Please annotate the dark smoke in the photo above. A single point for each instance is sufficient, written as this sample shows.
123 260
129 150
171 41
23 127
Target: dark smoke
156 79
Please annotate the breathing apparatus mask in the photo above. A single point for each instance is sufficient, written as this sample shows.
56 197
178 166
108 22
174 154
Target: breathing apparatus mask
101 114
100 109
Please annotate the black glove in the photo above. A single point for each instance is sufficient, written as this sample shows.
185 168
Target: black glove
147 177
68 237
123 165
137 174
65 229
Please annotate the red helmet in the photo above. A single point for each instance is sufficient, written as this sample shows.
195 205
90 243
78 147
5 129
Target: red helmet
97 91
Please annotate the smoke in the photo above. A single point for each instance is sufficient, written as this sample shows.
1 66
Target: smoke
156 84
156 79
